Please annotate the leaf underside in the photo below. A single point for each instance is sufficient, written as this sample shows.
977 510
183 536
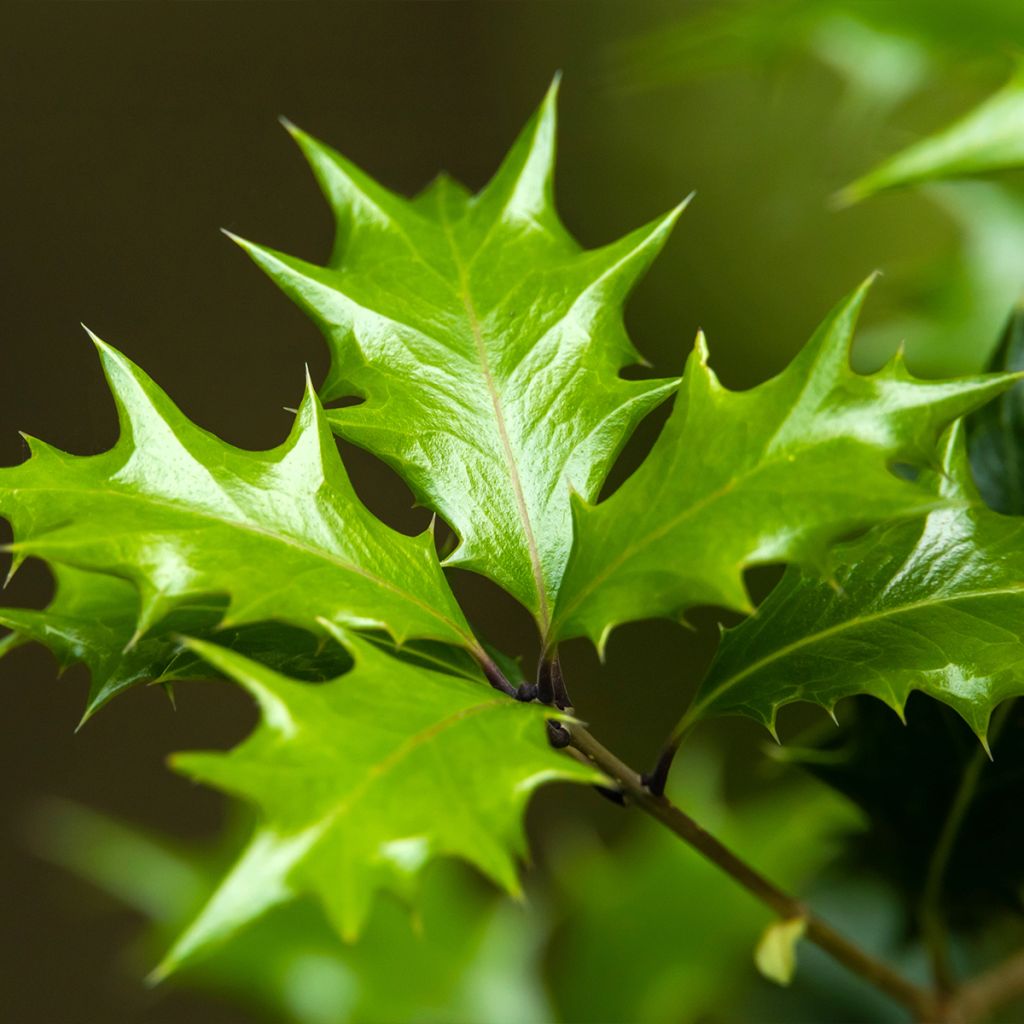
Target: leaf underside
93 619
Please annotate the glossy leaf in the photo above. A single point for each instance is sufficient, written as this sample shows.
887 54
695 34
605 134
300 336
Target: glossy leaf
774 474
183 516
996 431
933 606
989 138
486 346
92 619
363 780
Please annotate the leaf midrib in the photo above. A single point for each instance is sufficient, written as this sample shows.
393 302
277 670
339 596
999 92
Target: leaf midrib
473 319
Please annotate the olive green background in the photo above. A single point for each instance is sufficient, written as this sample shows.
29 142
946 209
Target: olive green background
132 132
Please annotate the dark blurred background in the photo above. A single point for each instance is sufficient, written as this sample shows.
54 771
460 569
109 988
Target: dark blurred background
132 132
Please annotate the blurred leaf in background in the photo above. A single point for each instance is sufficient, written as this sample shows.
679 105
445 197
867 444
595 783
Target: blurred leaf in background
468 956
650 932
990 138
647 930
886 54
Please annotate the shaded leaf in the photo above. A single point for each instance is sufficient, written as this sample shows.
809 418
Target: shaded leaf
996 432
933 606
929 756
92 619
773 474
989 138
363 780
486 346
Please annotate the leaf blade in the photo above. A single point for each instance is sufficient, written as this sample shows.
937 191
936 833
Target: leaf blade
905 597
777 473
183 515
352 782
486 347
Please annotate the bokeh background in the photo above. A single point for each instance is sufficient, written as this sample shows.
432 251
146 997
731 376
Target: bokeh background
132 132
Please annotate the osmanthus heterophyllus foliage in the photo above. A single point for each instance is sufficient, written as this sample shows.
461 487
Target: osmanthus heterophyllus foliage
486 347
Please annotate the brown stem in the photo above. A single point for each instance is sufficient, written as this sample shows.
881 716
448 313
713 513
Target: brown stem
918 1000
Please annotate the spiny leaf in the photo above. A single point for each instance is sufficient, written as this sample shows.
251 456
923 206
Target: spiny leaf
997 431
933 606
486 346
773 474
362 780
93 618
989 138
184 515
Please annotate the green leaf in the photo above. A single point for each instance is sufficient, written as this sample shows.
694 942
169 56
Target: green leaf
933 606
183 516
989 138
362 780
950 310
486 346
93 617
773 474
996 432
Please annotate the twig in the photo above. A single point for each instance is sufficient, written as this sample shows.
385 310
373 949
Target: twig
918 1000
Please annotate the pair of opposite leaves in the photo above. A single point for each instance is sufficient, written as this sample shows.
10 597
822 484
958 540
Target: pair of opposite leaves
486 347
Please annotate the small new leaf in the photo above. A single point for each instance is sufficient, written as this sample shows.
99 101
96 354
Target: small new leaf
933 606
775 955
486 346
774 474
183 515
364 779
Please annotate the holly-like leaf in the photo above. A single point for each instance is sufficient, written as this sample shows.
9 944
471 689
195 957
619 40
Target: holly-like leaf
363 780
996 432
183 515
989 138
774 474
933 606
93 618
486 346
